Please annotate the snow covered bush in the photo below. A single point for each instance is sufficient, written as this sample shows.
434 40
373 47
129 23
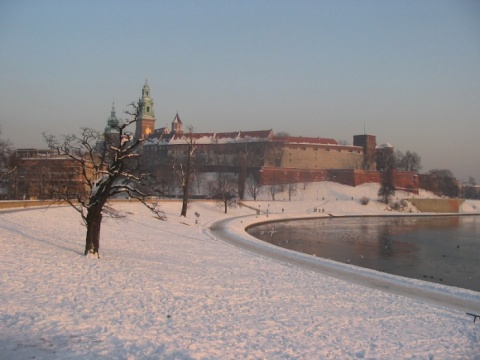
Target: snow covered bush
403 206
364 200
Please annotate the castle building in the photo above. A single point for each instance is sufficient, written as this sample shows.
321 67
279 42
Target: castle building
259 154
243 153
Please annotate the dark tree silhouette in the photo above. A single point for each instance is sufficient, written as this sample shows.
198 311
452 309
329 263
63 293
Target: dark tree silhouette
6 158
105 173
226 192
253 185
411 161
184 169
387 189
470 189
446 182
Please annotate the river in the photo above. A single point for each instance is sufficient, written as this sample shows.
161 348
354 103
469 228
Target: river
441 249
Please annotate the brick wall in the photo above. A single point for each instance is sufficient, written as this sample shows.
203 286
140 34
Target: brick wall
403 180
306 156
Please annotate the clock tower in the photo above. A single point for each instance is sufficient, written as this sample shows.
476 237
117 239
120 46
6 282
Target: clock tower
146 121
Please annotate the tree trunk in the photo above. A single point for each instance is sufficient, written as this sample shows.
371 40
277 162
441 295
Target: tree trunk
185 200
94 221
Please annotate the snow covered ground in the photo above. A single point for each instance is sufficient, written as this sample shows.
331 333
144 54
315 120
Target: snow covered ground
181 290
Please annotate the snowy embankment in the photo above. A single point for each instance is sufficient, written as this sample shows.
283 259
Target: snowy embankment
174 290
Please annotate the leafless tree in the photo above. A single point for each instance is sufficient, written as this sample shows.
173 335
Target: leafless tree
167 182
411 161
277 149
6 158
446 182
250 158
226 191
292 189
387 189
184 169
115 170
470 189
253 185
274 189
386 159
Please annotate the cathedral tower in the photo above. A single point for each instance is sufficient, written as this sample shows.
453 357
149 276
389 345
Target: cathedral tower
111 132
146 121
177 125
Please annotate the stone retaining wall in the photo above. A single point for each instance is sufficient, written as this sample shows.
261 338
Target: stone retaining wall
437 205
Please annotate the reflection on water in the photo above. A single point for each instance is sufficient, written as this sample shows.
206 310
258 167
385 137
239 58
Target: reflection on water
444 249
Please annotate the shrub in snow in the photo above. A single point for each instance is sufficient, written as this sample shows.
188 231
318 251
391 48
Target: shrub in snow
403 206
364 200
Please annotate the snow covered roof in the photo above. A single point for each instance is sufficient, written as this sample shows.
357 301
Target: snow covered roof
384 146
214 138
305 140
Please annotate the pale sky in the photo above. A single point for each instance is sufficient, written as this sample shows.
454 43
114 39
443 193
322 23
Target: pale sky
406 71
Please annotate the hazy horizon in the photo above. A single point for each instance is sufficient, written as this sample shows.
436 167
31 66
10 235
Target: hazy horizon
407 72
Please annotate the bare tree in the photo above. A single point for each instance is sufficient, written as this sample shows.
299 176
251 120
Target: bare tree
292 190
470 189
274 189
242 171
446 182
411 161
6 163
115 170
166 180
184 169
250 158
386 159
226 192
275 151
387 189
253 185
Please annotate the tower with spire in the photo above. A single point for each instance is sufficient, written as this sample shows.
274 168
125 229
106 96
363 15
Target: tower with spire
177 125
112 131
110 136
146 122
112 122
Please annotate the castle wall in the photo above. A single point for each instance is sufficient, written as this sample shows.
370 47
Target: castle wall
438 205
306 156
273 175
402 180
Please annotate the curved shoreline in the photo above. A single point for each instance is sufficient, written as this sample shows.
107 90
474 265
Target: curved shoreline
233 231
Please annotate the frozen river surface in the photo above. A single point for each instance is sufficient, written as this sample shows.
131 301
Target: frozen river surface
443 249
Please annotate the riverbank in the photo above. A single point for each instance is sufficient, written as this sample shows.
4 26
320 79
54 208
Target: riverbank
172 290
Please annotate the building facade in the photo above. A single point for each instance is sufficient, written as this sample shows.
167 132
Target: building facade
41 174
267 157
259 154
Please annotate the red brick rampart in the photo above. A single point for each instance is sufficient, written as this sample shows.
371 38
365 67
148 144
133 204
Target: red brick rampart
402 180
